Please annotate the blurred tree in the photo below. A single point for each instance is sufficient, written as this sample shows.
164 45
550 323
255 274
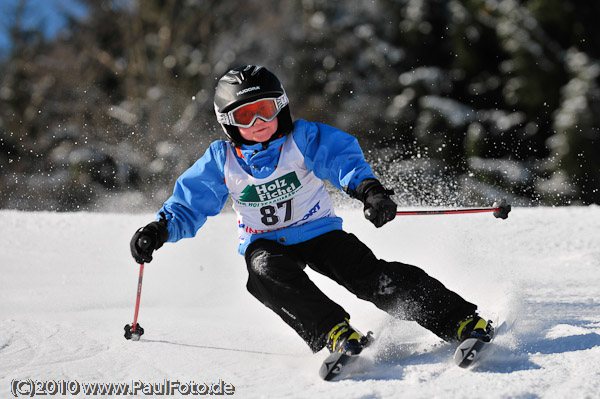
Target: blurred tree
20 97
451 100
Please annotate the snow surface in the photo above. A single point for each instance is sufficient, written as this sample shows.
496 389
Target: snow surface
68 284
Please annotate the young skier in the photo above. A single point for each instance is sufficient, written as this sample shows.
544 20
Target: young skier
273 169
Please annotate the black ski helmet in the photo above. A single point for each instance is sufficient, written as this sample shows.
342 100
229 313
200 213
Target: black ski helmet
243 85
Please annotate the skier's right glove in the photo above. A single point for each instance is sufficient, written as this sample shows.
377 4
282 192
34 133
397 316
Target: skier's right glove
148 239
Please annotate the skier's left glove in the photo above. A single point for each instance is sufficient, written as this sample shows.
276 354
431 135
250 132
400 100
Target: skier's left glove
379 207
148 239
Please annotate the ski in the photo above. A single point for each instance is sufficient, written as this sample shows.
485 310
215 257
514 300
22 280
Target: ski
337 365
469 352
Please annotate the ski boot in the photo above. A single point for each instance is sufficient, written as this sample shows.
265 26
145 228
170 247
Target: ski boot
344 344
344 339
475 327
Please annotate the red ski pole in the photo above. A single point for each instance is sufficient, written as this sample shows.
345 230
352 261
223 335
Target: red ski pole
135 331
500 210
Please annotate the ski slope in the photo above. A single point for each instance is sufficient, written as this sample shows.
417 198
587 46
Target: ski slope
68 285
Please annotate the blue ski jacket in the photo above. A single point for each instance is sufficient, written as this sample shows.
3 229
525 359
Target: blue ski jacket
199 192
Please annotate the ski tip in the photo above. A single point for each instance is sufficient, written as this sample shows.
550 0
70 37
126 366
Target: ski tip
331 366
468 352
336 365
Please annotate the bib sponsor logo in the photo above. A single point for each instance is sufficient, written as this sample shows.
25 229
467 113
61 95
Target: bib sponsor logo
275 190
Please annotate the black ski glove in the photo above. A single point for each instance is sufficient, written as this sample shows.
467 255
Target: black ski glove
148 239
379 207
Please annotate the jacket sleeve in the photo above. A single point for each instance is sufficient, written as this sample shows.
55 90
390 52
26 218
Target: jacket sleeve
332 154
199 192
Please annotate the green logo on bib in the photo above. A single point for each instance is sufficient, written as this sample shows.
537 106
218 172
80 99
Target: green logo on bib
277 189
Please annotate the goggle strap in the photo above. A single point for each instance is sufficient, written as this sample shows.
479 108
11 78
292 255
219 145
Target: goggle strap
223 118
282 101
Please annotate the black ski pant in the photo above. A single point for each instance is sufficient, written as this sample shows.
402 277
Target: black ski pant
277 279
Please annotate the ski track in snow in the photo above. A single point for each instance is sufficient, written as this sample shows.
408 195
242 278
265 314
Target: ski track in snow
68 287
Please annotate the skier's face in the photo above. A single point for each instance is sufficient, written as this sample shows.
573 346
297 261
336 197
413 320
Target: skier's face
260 132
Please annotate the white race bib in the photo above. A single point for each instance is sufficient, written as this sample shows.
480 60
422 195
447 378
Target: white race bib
290 196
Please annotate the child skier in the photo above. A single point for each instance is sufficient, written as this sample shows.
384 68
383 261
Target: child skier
274 169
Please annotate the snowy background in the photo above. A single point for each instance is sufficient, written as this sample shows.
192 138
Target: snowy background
68 287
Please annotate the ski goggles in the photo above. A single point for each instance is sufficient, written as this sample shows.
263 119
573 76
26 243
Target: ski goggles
245 115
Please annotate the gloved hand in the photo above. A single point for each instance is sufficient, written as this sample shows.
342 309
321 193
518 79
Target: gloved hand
379 207
148 239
